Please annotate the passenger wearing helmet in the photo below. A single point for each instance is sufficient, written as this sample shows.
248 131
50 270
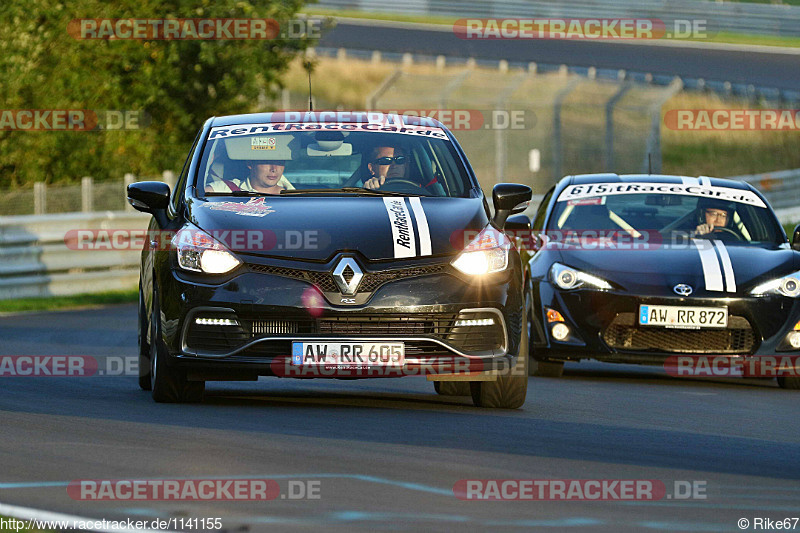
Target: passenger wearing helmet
714 218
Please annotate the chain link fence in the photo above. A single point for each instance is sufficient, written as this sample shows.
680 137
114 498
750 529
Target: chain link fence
88 197
568 124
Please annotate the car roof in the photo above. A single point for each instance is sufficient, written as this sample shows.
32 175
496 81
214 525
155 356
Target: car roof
325 116
582 179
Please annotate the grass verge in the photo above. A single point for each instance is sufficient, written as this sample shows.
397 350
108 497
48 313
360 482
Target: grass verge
51 303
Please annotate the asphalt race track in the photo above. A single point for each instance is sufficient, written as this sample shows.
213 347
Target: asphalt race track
386 454
762 69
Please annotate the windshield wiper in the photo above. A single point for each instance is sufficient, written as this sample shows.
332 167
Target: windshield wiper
363 191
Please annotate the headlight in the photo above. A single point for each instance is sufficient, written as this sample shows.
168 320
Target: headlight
199 252
487 253
570 278
787 286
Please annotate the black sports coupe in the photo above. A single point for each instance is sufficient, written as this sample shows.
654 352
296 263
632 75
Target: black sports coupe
333 245
667 270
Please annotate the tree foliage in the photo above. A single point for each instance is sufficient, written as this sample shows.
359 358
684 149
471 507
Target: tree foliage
177 83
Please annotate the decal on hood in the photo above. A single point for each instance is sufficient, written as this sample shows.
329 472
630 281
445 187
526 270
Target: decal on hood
254 207
702 188
712 256
404 237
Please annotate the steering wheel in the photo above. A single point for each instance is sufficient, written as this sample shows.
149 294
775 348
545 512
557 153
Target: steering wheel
404 185
400 180
729 230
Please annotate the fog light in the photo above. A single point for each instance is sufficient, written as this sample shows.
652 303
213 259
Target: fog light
474 322
794 339
560 331
215 322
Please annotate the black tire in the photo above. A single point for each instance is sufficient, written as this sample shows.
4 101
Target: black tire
168 384
546 369
452 388
789 382
144 346
510 390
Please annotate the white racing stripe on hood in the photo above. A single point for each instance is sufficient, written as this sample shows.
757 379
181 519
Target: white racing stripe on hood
422 226
727 266
711 270
690 181
403 236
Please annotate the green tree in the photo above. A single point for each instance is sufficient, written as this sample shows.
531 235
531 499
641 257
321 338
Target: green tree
177 83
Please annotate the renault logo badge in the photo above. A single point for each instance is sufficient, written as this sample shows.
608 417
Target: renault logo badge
682 289
355 275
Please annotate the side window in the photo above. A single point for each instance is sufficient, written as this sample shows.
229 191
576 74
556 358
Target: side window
181 181
541 212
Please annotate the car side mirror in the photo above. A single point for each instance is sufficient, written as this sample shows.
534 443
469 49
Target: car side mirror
796 238
518 223
150 197
509 199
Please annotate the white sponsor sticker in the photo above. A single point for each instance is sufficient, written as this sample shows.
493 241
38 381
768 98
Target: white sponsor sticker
589 190
225 132
403 236
422 226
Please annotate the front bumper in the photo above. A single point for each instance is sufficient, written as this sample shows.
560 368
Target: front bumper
604 326
272 311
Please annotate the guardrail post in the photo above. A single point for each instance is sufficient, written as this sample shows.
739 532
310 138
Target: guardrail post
612 102
127 180
168 177
39 198
87 194
652 156
557 148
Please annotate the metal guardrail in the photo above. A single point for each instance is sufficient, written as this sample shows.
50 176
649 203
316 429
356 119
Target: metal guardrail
764 19
782 191
36 261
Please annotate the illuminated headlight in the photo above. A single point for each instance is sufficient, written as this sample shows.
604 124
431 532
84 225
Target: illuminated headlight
199 252
787 286
486 254
570 278
475 322
794 339
215 322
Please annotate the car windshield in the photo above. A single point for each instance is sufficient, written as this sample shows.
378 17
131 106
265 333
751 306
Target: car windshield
732 215
305 159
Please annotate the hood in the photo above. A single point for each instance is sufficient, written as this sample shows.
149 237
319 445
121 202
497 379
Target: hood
315 228
710 268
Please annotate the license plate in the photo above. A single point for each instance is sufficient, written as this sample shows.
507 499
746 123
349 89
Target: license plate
674 316
349 353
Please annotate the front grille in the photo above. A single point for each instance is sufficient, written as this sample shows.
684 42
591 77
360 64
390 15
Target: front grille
625 334
369 283
440 326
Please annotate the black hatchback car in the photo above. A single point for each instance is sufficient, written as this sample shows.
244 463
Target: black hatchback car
333 245
689 273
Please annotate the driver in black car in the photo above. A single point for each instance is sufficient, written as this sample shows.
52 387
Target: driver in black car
714 219
386 162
